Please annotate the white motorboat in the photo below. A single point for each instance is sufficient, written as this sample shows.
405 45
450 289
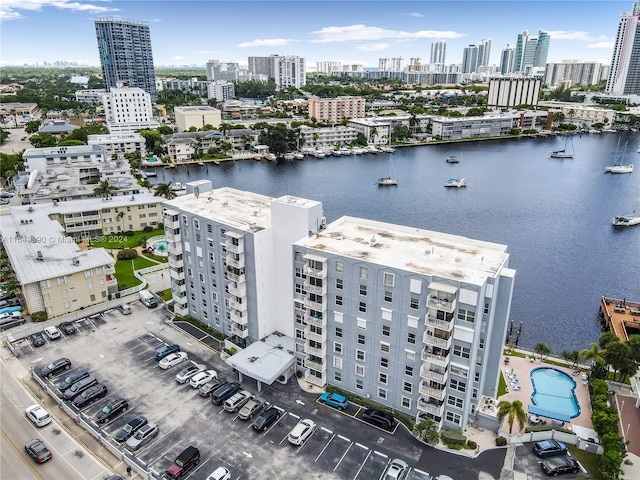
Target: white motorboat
626 220
456 182
298 155
387 181
452 159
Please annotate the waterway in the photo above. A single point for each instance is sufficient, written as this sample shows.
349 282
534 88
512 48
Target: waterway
554 214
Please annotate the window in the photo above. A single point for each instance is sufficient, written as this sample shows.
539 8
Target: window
382 393
453 418
388 296
382 378
388 279
466 315
386 330
474 393
359 370
407 387
338 332
408 370
385 347
339 300
411 338
339 267
196 224
299 334
88 273
481 344
337 376
413 303
458 385
66 305
362 323
486 307
406 403
476 377
337 347
460 351
62 280
90 285
386 314
455 401
363 290
92 298
359 384
384 362
46 297
45 284
362 307
410 355
337 317
364 273
64 293
361 339
339 284
360 355
337 362
412 322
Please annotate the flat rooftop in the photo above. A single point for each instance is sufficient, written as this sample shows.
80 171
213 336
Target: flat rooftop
411 249
87 204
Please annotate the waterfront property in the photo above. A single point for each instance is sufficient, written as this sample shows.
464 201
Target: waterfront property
621 316
553 394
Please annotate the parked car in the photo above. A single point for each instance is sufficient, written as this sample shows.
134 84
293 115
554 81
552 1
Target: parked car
379 418
211 386
71 379
549 448
251 408
10 302
303 430
201 378
220 473
131 427
38 450
334 400
37 339
7 194
68 328
78 387
184 462
10 321
189 371
166 350
557 465
237 400
90 395
125 309
52 333
266 419
145 434
224 392
396 470
38 415
55 367
172 360
112 409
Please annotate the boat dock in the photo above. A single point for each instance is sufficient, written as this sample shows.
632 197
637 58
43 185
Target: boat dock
621 316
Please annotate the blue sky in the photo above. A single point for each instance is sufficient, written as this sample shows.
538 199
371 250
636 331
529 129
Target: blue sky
192 32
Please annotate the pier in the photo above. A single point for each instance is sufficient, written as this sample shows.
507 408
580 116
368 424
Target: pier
621 316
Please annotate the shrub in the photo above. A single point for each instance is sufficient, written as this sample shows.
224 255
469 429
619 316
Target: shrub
501 441
129 233
40 316
472 445
127 254
453 437
147 229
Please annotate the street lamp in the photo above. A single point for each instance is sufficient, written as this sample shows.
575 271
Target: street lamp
626 434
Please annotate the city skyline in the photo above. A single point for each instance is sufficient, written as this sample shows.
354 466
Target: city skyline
347 32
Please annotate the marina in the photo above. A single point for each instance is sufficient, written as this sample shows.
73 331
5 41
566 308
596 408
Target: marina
621 316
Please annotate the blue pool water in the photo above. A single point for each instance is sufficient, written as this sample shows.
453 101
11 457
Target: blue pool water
152 160
160 247
554 390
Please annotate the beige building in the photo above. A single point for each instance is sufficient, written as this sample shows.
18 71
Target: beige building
197 116
334 110
55 275
580 114
513 91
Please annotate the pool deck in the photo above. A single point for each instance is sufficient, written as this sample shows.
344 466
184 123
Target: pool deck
522 368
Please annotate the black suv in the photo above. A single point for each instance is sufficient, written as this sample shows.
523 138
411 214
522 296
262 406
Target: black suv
68 328
77 388
555 465
379 418
130 428
112 409
55 367
71 379
266 419
224 392
90 395
37 339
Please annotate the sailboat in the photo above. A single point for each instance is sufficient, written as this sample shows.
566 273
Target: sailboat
564 153
392 179
617 166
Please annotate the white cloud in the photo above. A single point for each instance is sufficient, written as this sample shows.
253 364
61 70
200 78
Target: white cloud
11 9
364 32
373 47
415 14
178 57
266 42
572 35
610 45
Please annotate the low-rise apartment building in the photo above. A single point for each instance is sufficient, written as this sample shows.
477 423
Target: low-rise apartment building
334 110
328 137
197 117
115 146
490 125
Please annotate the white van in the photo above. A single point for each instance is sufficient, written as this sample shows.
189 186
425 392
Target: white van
125 309
147 299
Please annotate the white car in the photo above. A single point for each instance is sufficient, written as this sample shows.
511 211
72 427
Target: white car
38 415
10 315
303 430
220 473
52 333
396 470
201 378
172 360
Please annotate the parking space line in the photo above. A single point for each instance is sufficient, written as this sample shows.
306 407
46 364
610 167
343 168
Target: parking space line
274 424
381 454
343 455
420 471
199 467
344 438
162 455
326 430
326 445
294 415
362 465
362 446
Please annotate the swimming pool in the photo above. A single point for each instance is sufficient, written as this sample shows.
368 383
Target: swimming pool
554 391
152 160
160 247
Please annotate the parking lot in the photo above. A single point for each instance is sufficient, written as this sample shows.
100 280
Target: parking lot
119 351
527 461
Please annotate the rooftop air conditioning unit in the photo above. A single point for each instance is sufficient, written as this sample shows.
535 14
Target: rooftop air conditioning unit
75 260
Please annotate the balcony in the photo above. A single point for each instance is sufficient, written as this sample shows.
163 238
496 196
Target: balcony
315 380
318 352
437 341
312 272
318 367
431 408
172 224
89 228
236 278
230 247
436 393
109 270
316 337
319 307
235 263
441 359
314 288
174 247
240 331
180 310
176 274
441 304
83 218
178 287
111 281
240 320
241 307
315 321
237 290
446 325
172 234
428 374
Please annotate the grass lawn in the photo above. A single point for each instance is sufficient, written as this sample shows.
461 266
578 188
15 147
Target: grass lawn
117 240
157 258
124 271
590 461
502 386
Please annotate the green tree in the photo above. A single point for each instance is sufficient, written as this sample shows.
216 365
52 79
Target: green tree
605 338
542 350
43 140
164 190
572 357
427 431
104 189
619 356
33 126
512 410
634 343
401 132
594 354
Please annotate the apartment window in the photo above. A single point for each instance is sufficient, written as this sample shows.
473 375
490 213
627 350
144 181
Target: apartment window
410 355
486 307
190 272
339 300
364 273
359 370
201 277
92 298
361 339
382 393
361 323
45 284
388 279
385 347
362 307
408 370
407 387
461 351
212 257
337 347
382 378
453 418
64 293
339 284
412 322
49 310
339 267
413 303
299 334
386 330
62 280
363 290
476 377
214 297
338 332
359 384
337 376
384 362
88 274
406 403
455 401
66 305
458 385
411 338
90 285
474 393
466 315
360 355
388 296
337 363
196 224
481 344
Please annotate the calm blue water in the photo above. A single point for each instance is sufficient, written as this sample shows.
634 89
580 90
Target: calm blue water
553 390
160 246
554 214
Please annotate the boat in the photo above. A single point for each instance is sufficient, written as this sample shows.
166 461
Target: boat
298 155
456 182
319 154
150 173
392 179
289 156
200 163
452 159
609 130
564 153
177 187
387 149
626 220
618 166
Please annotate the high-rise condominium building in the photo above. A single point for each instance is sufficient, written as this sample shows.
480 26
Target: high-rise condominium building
128 109
390 64
508 60
125 54
438 51
531 51
573 71
475 56
286 70
624 77
217 70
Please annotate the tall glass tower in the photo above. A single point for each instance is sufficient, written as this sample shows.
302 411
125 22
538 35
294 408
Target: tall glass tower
531 51
624 76
125 54
438 51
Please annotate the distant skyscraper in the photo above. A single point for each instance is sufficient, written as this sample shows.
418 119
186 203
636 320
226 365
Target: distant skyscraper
624 77
217 70
125 54
508 60
531 51
475 56
438 50
286 70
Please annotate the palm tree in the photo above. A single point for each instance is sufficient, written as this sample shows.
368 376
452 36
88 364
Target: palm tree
164 190
542 350
372 135
512 410
427 430
594 354
104 189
